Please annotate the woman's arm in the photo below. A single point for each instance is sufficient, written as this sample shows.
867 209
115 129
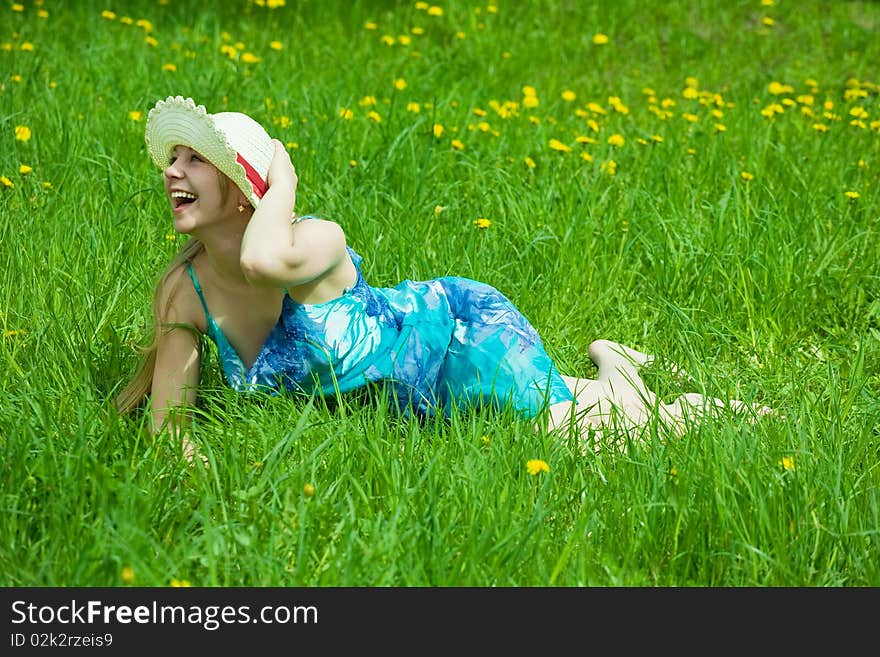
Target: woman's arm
275 253
176 374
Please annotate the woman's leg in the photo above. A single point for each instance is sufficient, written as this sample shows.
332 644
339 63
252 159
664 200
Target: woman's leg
617 397
690 408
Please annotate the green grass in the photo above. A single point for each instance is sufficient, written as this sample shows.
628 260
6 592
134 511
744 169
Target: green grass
765 290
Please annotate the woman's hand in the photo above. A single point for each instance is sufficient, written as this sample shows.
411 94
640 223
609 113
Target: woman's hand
281 171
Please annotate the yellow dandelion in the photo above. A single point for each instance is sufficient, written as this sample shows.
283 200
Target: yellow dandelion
17 7
691 118
400 84
418 30
145 24
457 144
852 196
346 113
767 21
616 140
618 106
415 108
6 182
657 139
47 184
600 39
352 163
367 101
484 439
437 129
388 40
127 574
404 39
609 167
370 25
530 101
720 127
777 88
435 11
673 471
151 41
421 6
767 3
745 175
535 466
250 58
169 67
690 93
557 145
276 45
438 209
529 91
482 222
309 490
126 20
530 163
28 46
109 15
374 116
179 582
22 133
135 115
568 95
24 169
586 156
787 463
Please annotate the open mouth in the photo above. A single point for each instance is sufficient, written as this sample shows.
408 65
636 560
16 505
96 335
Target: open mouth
181 199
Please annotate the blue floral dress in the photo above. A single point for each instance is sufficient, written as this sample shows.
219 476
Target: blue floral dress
429 345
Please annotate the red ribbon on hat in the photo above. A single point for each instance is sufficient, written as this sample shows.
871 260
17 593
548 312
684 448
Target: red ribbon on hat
253 176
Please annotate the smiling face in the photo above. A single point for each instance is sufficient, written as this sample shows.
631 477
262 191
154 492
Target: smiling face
199 193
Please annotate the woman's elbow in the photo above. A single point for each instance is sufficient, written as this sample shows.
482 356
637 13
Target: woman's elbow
259 270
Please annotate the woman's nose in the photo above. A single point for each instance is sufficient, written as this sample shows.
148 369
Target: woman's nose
172 171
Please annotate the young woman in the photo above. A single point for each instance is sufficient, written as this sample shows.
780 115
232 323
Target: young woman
285 301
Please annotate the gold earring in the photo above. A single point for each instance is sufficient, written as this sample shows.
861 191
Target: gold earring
240 208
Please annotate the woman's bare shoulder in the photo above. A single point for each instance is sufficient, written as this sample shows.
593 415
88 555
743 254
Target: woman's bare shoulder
178 300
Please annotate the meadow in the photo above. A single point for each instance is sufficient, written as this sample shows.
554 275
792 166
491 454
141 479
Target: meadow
697 179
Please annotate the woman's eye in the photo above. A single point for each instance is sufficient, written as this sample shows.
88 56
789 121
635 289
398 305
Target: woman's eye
171 160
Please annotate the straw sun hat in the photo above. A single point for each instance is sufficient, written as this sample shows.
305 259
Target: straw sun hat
233 142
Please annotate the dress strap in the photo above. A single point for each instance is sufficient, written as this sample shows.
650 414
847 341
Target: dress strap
195 282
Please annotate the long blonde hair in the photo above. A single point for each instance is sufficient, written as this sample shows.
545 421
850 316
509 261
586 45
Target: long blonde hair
141 382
